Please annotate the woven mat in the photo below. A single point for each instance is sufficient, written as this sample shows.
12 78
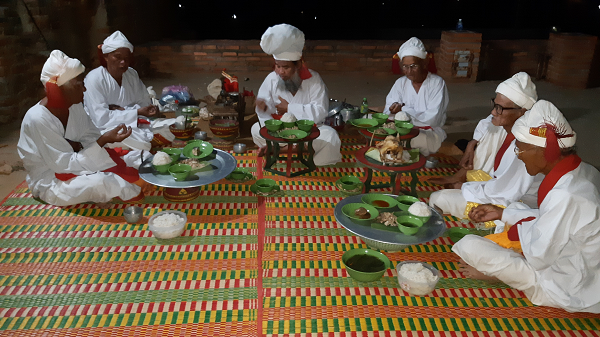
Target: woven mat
246 266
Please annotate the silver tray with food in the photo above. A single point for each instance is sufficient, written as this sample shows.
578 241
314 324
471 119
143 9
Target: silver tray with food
213 168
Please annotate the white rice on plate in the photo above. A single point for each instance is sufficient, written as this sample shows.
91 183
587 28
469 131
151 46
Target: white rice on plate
419 208
161 158
167 220
402 116
288 118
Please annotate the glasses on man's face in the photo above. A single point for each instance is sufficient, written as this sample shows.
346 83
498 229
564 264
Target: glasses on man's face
413 66
519 152
499 108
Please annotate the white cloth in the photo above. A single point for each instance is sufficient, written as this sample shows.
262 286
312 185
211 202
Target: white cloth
519 89
490 138
561 264
285 42
541 113
61 66
115 41
102 90
44 150
426 108
412 47
310 102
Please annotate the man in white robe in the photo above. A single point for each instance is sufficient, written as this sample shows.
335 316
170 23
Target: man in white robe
420 94
560 241
58 138
509 180
116 95
292 88
488 137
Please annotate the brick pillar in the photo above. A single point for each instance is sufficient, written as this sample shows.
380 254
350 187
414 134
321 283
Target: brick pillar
459 59
570 59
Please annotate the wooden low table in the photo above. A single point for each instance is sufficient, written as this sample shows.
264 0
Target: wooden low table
391 170
272 155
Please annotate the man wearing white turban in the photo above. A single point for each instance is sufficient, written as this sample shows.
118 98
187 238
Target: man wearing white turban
421 95
560 241
115 94
508 180
61 148
488 137
296 90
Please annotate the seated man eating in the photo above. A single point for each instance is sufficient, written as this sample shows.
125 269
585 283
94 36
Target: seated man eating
480 154
116 95
296 90
560 241
61 148
423 96
509 181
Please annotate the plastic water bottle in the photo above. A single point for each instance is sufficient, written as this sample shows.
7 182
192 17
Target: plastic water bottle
364 107
459 25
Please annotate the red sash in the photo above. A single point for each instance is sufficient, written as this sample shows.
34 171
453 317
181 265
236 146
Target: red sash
563 167
509 138
121 169
513 233
425 127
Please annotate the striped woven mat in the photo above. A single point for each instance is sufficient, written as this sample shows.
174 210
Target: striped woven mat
245 266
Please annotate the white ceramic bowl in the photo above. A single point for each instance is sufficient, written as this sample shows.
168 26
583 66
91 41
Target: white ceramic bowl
414 287
170 231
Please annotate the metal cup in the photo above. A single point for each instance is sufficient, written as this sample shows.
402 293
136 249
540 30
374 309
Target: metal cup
133 214
431 162
239 148
200 135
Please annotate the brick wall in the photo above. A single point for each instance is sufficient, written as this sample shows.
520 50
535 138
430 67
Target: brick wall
502 58
450 66
214 55
570 59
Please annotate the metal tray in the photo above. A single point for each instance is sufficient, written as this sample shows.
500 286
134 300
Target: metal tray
384 239
221 162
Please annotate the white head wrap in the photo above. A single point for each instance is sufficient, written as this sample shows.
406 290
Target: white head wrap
61 66
531 128
412 47
284 42
519 89
115 41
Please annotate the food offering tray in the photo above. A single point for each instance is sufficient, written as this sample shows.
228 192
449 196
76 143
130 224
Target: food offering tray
431 230
221 164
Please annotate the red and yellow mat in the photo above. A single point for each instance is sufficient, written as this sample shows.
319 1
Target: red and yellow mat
245 266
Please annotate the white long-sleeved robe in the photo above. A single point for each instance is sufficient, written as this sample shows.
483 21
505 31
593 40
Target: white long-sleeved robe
45 151
489 138
426 108
561 247
510 183
310 102
103 90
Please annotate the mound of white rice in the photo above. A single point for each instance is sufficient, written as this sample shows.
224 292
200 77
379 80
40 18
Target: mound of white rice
161 158
288 118
419 208
417 273
402 116
167 220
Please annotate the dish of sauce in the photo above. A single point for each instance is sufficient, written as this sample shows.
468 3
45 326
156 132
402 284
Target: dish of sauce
365 263
380 203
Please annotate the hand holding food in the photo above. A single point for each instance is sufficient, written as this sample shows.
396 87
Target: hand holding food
115 135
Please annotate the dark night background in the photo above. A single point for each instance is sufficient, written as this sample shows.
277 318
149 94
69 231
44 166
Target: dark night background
384 19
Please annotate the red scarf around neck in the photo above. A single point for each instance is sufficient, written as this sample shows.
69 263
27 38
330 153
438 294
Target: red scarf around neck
509 138
563 167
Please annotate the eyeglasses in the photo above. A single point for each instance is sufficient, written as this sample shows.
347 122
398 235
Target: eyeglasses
413 66
499 108
518 152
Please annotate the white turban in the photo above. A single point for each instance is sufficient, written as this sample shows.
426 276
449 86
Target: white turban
519 89
115 41
61 66
284 42
412 47
532 127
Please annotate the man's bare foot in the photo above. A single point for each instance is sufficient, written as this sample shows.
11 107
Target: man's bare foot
452 181
471 272
103 205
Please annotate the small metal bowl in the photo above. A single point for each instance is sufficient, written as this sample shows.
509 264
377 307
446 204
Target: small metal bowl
431 162
239 148
133 214
200 135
